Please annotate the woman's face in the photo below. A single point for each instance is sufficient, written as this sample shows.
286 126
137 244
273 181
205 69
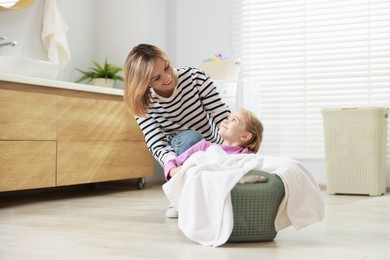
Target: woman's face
164 78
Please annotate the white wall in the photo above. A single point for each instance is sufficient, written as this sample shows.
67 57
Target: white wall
123 24
187 30
80 16
97 29
202 29
23 26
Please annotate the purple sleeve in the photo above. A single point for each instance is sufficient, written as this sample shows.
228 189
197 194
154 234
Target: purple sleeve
179 160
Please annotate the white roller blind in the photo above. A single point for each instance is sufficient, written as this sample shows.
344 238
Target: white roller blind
298 57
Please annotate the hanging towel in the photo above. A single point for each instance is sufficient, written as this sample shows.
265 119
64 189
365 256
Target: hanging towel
54 34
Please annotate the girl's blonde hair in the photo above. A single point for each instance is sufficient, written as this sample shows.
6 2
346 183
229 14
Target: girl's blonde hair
137 75
254 126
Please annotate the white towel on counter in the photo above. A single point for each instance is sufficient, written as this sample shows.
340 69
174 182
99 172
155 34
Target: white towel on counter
200 192
54 31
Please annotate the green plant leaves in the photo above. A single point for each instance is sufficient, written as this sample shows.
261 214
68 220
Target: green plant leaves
107 71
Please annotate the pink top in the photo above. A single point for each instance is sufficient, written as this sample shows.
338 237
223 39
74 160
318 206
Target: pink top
200 146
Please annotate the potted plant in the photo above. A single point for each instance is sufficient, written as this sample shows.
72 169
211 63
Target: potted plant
101 75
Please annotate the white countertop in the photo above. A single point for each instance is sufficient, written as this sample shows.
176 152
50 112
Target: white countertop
60 84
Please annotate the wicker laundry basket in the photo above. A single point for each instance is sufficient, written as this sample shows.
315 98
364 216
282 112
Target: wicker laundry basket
355 150
255 206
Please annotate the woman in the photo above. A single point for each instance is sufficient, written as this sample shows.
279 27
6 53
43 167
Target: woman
167 102
174 107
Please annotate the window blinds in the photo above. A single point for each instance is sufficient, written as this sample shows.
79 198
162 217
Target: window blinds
298 57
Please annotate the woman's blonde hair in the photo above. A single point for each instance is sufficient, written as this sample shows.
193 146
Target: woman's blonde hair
253 125
137 75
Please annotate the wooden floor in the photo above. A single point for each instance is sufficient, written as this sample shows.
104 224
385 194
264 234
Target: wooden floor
117 221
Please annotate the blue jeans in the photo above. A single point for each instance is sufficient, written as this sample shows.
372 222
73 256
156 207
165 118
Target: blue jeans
184 140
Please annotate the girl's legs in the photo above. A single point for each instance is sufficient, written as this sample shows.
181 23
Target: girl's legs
184 140
180 143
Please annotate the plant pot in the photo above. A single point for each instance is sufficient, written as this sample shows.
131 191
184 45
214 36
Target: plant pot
102 82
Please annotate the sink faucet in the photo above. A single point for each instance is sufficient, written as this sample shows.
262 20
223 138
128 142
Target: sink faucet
12 43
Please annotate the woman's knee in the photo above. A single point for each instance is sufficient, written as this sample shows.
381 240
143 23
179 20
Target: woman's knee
184 140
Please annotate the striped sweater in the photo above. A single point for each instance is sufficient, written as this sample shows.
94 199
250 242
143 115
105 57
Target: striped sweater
195 104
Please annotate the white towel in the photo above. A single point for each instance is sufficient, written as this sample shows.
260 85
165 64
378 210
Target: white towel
200 192
54 34
302 204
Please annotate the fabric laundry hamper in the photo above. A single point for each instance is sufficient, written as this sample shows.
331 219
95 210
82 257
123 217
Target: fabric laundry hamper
355 150
255 206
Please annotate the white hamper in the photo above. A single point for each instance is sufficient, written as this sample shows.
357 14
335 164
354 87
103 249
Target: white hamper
355 150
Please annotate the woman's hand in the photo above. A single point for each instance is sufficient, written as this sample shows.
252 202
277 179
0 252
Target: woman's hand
173 171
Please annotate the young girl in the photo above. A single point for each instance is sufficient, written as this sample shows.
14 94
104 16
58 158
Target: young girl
242 132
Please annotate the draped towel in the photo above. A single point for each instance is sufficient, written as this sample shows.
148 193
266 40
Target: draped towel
53 35
200 192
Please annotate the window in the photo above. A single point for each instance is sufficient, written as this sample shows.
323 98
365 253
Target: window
298 57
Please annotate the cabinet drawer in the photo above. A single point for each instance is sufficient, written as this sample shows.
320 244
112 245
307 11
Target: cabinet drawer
27 164
27 116
96 161
95 119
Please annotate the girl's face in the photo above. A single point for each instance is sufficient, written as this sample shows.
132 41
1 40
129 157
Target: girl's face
164 78
232 129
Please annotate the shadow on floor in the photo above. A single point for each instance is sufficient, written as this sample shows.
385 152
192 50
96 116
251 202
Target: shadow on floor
22 197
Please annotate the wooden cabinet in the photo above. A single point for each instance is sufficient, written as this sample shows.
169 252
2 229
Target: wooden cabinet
54 137
27 116
96 161
103 134
95 119
27 165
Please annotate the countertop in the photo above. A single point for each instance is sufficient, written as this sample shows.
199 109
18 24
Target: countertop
60 84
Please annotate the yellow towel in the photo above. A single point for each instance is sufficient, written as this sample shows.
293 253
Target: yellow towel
54 34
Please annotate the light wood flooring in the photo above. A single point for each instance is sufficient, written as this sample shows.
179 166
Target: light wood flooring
117 221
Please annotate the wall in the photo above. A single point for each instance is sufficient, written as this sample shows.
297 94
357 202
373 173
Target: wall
202 28
187 30
25 26
98 29
81 17
124 24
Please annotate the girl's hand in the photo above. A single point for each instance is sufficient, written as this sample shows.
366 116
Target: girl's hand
173 171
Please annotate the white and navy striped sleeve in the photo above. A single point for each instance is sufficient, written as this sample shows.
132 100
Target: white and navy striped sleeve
195 104
156 140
